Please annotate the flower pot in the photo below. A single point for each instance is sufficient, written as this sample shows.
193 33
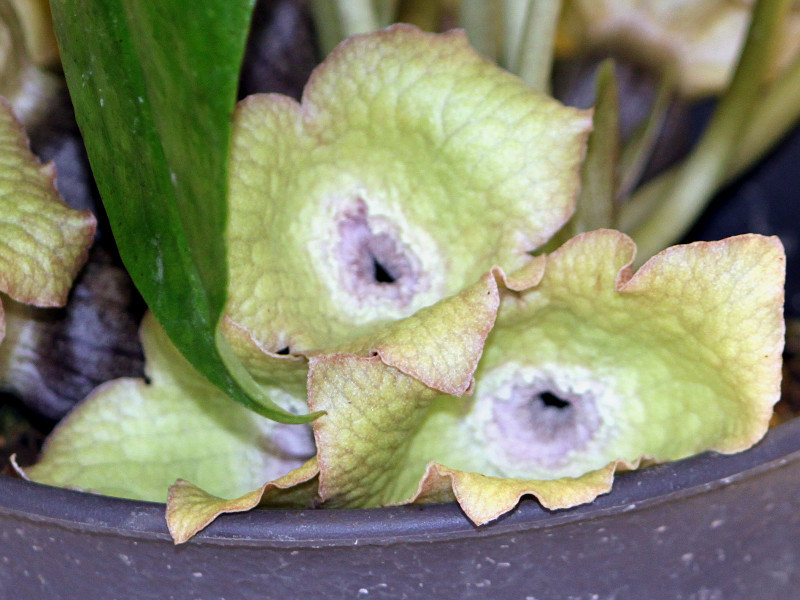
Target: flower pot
709 527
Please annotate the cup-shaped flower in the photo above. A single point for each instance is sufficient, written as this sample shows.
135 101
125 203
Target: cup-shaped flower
587 368
133 438
411 166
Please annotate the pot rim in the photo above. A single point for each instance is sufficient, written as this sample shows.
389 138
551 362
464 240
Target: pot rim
346 527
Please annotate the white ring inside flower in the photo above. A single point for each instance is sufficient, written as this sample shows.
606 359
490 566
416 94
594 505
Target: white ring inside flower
539 422
376 265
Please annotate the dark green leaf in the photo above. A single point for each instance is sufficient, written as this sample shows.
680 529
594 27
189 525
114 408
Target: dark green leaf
154 86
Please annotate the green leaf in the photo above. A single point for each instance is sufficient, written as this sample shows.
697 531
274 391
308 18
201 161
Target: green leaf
595 206
155 117
598 177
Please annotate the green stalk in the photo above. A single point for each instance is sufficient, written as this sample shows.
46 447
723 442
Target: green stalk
700 175
481 20
337 20
776 113
386 11
326 24
425 14
639 148
357 16
535 58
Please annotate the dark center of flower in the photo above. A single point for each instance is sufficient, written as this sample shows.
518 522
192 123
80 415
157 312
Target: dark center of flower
531 422
375 266
551 400
380 273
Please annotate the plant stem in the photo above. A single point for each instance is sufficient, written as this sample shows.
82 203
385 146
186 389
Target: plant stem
535 58
705 168
357 16
326 24
639 148
337 20
514 15
481 20
425 14
385 11
777 111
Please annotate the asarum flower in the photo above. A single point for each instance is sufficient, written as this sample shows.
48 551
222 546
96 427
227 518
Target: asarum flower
702 39
411 166
588 368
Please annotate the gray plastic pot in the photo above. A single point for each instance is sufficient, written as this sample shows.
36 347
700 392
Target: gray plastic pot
706 528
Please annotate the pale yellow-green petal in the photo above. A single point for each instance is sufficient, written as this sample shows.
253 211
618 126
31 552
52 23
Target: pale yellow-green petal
682 357
43 242
589 368
191 509
483 498
134 439
374 406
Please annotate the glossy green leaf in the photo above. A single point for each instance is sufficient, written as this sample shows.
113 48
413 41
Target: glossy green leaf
155 117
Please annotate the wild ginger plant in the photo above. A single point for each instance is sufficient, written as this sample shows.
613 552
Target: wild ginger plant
367 258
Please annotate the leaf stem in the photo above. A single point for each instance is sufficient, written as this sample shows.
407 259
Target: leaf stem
777 112
425 14
481 20
326 24
639 148
385 11
357 16
700 175
514 14
535 56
